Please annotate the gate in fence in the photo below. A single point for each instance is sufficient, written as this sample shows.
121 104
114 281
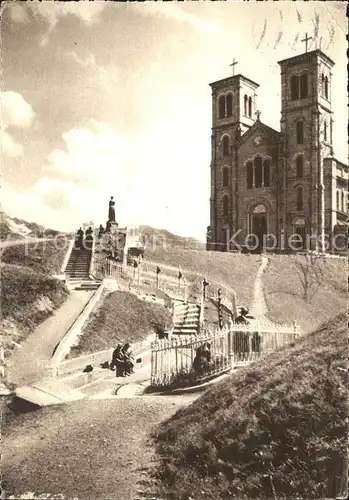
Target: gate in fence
179 362
250 342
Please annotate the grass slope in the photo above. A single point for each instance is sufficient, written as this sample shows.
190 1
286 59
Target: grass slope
42 256
236 271
27 298
275 429
285 295
121 317
154 238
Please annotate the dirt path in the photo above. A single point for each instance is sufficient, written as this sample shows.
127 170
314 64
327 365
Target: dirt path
88 450
28 364
259 307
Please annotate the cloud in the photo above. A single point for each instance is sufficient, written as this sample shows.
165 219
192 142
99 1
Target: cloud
106 77
9 146
87 62
174 12
88 12
18 12
149 185
16 112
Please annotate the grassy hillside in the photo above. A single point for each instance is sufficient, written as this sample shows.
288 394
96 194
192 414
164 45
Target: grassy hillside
275 429
155 238
27 298
285 295
233 270
121 317
282 281
41 256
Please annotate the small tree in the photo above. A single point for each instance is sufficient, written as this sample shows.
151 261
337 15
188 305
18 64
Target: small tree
310 273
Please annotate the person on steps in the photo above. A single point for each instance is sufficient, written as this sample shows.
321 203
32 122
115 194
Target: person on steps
79 237
118 361
128 358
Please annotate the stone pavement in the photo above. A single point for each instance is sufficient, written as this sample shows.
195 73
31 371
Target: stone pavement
30 362
129 386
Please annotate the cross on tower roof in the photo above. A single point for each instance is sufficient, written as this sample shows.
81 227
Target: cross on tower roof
306 39
233 64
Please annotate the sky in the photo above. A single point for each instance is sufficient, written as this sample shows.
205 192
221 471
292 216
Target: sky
105 99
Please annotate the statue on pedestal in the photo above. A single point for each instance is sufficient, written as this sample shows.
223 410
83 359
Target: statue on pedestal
111 214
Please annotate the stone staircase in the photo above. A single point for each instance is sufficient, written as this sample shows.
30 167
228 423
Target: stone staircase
86 285
186 318
78 266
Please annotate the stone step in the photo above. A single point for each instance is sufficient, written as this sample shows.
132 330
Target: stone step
48 392
185 330
80 378
181 319
186 310
191 317
185 314
86 288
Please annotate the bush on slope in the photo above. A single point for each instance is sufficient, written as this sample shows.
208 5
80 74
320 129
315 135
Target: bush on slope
275 429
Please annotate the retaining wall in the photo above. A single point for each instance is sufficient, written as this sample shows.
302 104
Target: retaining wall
71 337
95 359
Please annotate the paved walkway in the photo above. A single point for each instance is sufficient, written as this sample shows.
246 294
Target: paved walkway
29 363
259 307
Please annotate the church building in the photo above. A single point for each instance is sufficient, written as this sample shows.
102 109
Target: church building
274 189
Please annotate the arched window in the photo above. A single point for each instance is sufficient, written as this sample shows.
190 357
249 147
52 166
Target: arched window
258 175
250 107
229 105
266 173
304 85
221 106
322 84
294 87
300 132
249 170
337 200
326 87
299 198
300 166
325 131
225 205
245 104
225 145
225 176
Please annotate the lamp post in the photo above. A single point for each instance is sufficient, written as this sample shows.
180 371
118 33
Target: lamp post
158 271
219 305
205 284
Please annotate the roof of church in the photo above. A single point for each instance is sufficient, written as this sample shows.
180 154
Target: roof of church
231 79
258 124
304 56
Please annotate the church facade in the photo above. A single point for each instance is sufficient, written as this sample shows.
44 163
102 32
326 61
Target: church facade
282 190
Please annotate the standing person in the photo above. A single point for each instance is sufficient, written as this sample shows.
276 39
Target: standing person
101 231
89 238
118 361
80 237
128 358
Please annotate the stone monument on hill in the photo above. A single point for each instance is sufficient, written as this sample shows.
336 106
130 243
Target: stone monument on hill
111 223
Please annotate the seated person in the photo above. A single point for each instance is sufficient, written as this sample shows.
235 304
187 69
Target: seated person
202 359
118 361
128 358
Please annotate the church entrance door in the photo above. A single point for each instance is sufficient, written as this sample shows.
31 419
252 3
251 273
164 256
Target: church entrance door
259 229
